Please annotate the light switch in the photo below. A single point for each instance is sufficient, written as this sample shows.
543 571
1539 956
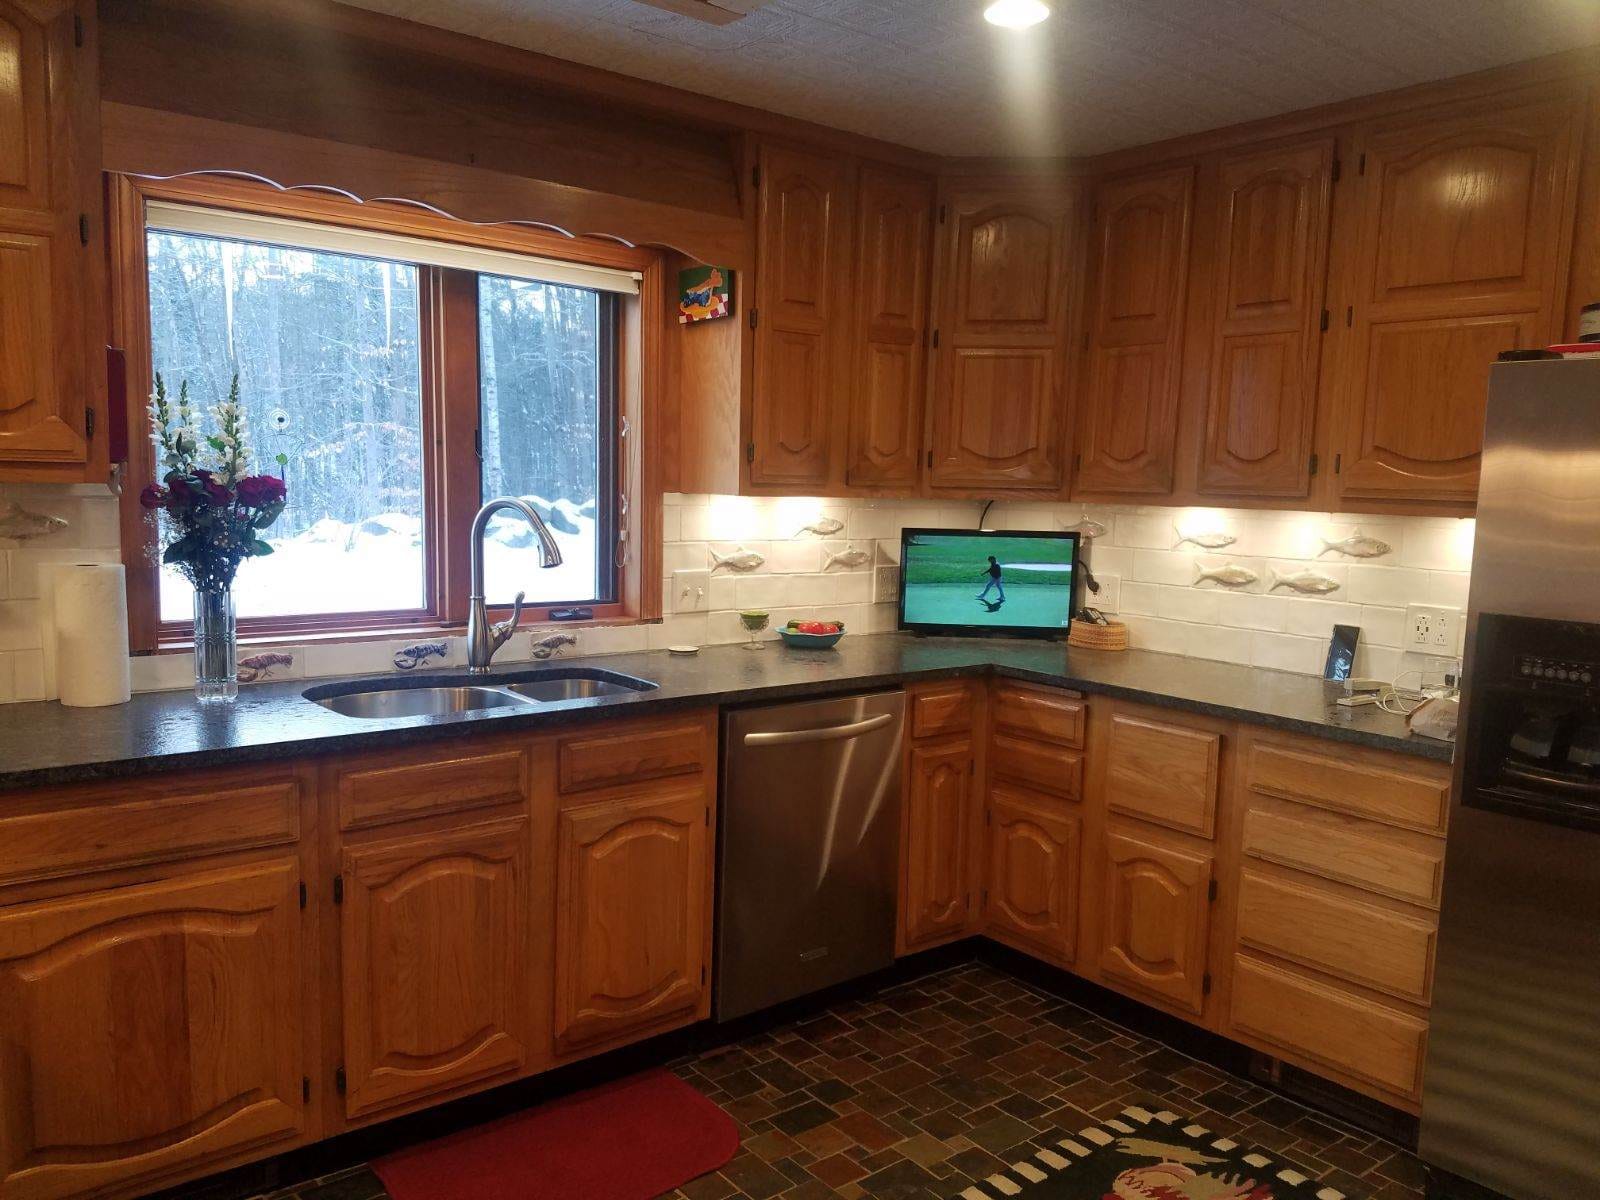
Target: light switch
691 591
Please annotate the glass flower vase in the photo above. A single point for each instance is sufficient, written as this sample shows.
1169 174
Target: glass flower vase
215 645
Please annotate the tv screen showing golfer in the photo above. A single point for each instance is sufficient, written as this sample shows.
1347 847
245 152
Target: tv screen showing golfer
954 580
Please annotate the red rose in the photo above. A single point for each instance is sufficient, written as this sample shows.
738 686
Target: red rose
182 491
260 491
153 496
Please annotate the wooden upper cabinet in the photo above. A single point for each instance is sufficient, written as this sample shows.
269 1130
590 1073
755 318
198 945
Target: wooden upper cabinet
894 215
1157 916
937 890
1269 273
51 349
436 986
802 253
1459 223
1128 432
997 413
1031 893
148 1029
633 895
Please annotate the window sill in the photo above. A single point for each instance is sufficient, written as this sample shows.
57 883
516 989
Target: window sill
397 633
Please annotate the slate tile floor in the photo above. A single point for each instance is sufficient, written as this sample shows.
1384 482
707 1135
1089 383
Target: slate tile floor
932 1085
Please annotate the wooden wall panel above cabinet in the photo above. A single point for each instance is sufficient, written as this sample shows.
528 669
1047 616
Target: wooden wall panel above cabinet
1455 244
1128 423
997 412
1268 268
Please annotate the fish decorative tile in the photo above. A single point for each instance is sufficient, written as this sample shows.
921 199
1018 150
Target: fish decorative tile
1357 545
1230 575
1312 583
1208 540
24 525
847 558
1086 529
740 560
822 527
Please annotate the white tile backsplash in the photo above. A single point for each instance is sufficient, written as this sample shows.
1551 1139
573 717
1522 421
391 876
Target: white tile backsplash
1148 577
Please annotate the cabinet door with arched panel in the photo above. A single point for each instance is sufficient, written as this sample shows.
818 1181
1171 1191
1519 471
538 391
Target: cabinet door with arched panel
1270 254
1128 433
938 884
1460 222
998 409
1156 918
1031 891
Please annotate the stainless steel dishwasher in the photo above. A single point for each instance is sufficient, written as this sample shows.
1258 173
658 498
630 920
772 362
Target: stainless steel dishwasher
810 843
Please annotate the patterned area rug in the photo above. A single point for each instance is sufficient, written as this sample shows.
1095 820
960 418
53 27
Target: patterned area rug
1150 1156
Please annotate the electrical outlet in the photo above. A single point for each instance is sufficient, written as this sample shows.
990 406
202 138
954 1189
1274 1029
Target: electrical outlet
691 591
1432 628
885 584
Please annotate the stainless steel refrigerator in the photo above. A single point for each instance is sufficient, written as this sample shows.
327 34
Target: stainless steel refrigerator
1511 1094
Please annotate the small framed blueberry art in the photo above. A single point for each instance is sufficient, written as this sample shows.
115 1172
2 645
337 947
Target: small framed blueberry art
704 294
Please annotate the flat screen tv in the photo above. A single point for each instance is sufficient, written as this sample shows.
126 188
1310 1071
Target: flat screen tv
967 582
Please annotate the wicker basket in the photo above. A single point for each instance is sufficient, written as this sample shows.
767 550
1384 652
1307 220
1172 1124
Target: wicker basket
1090 636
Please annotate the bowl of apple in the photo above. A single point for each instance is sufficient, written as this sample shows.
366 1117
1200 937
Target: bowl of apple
812 635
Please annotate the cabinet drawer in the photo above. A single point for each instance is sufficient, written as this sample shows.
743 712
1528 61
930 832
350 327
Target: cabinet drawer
143 821
382 795
1049 768
943 710
1367 787
1033 713
1163 772
1349 851
1379 1045
1362 943
612 755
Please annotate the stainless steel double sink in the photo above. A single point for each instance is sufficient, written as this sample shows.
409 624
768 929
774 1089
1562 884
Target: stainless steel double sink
447 695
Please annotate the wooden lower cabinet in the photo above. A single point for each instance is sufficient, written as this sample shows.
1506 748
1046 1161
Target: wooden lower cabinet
938 884
150 1029
1156 919
437 992
633 899
1030 898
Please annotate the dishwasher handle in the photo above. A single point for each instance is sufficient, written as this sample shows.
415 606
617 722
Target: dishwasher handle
830 733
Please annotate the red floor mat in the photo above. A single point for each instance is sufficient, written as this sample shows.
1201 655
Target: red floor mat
629 1140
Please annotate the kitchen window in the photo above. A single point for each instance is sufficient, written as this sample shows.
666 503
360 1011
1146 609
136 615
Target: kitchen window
405 380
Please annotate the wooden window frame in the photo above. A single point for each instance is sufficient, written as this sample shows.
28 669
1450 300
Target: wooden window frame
451 484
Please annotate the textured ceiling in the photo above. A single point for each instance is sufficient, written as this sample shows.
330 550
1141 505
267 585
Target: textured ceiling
1100 75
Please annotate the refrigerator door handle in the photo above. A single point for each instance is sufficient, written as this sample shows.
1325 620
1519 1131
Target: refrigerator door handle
831 733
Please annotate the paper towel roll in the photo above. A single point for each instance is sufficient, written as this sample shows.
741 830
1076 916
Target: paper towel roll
91 622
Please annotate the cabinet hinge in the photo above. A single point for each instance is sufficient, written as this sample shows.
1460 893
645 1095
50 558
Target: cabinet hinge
305 1088
983 898
755 177
83 228
1211 890
702 974
1324 320
477 443
304 895
338 889
941 214
750 452
1338 463
935 339
708 817
1313 465
77 31
339 1081
1349 315
755 318
1338 170
930 459
88 423
1205 984
1361 165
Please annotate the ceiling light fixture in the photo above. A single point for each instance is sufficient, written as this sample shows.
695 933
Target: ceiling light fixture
1016 14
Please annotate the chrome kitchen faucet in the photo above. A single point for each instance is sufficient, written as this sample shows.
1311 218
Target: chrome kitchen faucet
483 639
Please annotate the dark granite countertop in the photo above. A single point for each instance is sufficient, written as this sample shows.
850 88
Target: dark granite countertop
46 743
